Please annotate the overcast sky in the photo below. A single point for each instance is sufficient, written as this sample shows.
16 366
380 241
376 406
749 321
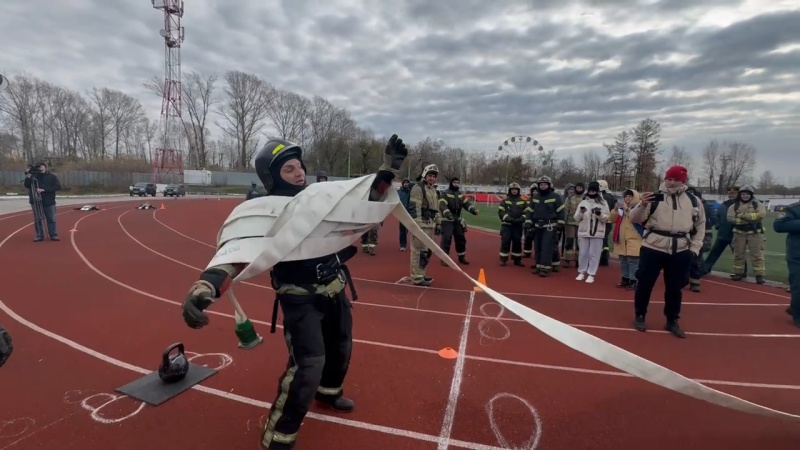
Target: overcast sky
569 73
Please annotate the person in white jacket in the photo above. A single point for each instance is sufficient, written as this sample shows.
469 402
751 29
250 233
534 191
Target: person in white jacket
592 217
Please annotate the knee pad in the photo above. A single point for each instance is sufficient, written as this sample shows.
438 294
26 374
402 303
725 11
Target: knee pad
425 257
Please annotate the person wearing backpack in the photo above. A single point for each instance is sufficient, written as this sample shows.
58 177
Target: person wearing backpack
674 226
627 237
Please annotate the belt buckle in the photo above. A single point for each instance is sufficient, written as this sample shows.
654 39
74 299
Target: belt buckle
319 272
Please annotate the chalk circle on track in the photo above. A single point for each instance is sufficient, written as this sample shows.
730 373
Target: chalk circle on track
535 438
216 361
96 402
489 326
15 427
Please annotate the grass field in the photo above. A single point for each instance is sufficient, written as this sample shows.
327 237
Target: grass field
775 257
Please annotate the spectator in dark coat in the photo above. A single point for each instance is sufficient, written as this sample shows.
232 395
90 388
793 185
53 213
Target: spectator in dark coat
42 186
405 197
724 231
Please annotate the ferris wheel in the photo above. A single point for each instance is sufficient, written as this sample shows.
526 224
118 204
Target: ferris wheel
524 147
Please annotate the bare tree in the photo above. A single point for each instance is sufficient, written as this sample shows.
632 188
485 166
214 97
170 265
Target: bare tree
592 163
198 98
738 159
645 147
290 114
766 182
711 162
619 160
244 111
19 102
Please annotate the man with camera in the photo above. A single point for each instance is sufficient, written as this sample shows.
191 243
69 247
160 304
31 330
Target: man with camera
42 186
674 225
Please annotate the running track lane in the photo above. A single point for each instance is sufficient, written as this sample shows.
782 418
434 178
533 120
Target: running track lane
399 391
681 356
745 362
744 357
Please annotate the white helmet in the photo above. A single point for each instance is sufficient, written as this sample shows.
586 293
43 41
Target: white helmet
430 168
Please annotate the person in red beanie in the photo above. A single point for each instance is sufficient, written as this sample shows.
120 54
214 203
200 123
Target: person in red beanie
674 224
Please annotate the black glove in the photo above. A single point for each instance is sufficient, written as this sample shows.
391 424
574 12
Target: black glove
394 155
437 230
6 346
200 297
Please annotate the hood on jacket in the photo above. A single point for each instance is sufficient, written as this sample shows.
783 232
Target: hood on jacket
635 199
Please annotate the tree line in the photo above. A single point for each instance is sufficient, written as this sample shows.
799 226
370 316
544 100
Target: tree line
105 129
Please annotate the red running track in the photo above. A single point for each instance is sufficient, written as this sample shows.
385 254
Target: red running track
90 313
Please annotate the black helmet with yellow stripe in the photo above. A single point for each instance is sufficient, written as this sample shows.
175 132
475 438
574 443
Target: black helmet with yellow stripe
271 157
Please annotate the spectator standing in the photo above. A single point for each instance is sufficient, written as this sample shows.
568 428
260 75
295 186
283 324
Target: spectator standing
673 235
592 217
627 237
42 186
788 221
404 192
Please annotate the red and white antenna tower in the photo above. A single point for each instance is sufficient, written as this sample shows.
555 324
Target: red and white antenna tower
168 163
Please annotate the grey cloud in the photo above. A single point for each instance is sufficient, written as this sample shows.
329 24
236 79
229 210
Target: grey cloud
452 69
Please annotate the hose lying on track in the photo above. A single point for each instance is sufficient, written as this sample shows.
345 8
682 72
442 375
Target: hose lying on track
326 217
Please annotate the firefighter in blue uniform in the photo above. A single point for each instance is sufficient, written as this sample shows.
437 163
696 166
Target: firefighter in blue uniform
788 221
545 215
512 217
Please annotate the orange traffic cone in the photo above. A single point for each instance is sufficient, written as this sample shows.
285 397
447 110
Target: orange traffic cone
481 280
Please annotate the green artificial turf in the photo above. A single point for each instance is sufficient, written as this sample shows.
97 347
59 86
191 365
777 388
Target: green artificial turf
775 258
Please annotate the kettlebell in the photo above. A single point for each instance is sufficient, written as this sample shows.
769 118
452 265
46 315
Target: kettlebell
173 368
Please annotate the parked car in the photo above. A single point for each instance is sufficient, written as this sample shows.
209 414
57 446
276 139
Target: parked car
142 189
174 190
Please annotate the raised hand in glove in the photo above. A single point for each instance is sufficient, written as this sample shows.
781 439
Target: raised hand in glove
200 297
394 155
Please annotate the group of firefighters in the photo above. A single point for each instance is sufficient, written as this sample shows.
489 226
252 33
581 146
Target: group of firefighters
543 226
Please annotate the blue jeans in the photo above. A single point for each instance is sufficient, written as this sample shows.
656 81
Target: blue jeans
50 217
629 265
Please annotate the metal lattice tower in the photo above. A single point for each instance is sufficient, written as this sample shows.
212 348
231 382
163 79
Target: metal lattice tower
168 163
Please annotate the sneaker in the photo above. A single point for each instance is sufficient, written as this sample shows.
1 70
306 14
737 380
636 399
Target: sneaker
580 277
639 324
590 279
675 329
402 249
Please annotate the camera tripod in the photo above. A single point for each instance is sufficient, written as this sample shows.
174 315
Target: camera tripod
38 208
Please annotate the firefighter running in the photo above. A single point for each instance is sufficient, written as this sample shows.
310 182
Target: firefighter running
423 208
545 216
746 215
571 203
512 216
453 226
